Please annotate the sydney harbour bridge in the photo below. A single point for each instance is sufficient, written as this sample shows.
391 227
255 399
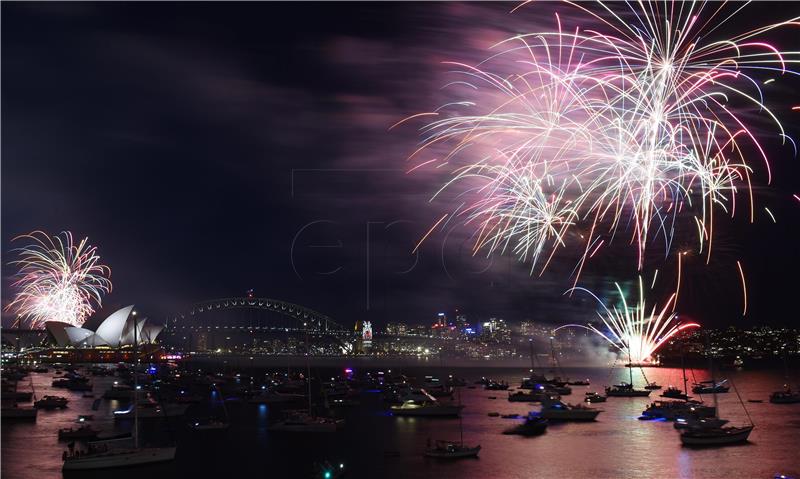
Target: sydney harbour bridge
248 323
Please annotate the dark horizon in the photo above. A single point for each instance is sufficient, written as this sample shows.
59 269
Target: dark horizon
209 149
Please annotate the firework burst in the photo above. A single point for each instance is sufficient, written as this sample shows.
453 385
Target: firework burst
635 331
628 126
58 279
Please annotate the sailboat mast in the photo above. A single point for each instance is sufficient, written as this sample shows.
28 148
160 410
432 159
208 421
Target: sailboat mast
530 347
683 367
711 372
135 387
630 363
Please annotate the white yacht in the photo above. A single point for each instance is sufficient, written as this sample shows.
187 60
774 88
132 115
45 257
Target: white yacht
104 457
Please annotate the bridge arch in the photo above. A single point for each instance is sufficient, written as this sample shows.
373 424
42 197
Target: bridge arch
306 319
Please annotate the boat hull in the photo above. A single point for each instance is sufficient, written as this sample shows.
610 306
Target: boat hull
120 458
627 394
458 454
692 438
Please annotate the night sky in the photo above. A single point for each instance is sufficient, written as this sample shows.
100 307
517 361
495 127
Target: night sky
208 149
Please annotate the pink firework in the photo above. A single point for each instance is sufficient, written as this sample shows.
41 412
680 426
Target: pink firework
57 280
632 125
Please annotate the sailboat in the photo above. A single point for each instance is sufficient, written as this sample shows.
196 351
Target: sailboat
451 449
535 379
685 409
626 389
786 395
305 421
673 392
712 435
102 455
213 424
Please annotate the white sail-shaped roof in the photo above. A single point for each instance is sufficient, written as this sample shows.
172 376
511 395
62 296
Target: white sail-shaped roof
83 337
57 329
151 332
111 330
127 335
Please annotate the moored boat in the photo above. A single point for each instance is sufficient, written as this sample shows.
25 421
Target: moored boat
673 392
51 402
594 398
784 397
521 396
693 422
555 410
671 410
625 390
532 426
301 421
710 387
715 436
451 450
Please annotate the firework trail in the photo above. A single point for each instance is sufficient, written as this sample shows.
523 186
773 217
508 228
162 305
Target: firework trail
57 280
634 331
628 126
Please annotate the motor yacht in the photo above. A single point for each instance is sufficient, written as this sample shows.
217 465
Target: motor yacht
594 398
496 386
555 410
671 410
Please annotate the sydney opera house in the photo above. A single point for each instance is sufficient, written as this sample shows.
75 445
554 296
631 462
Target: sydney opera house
121 328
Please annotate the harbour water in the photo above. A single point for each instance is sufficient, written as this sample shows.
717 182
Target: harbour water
375 444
